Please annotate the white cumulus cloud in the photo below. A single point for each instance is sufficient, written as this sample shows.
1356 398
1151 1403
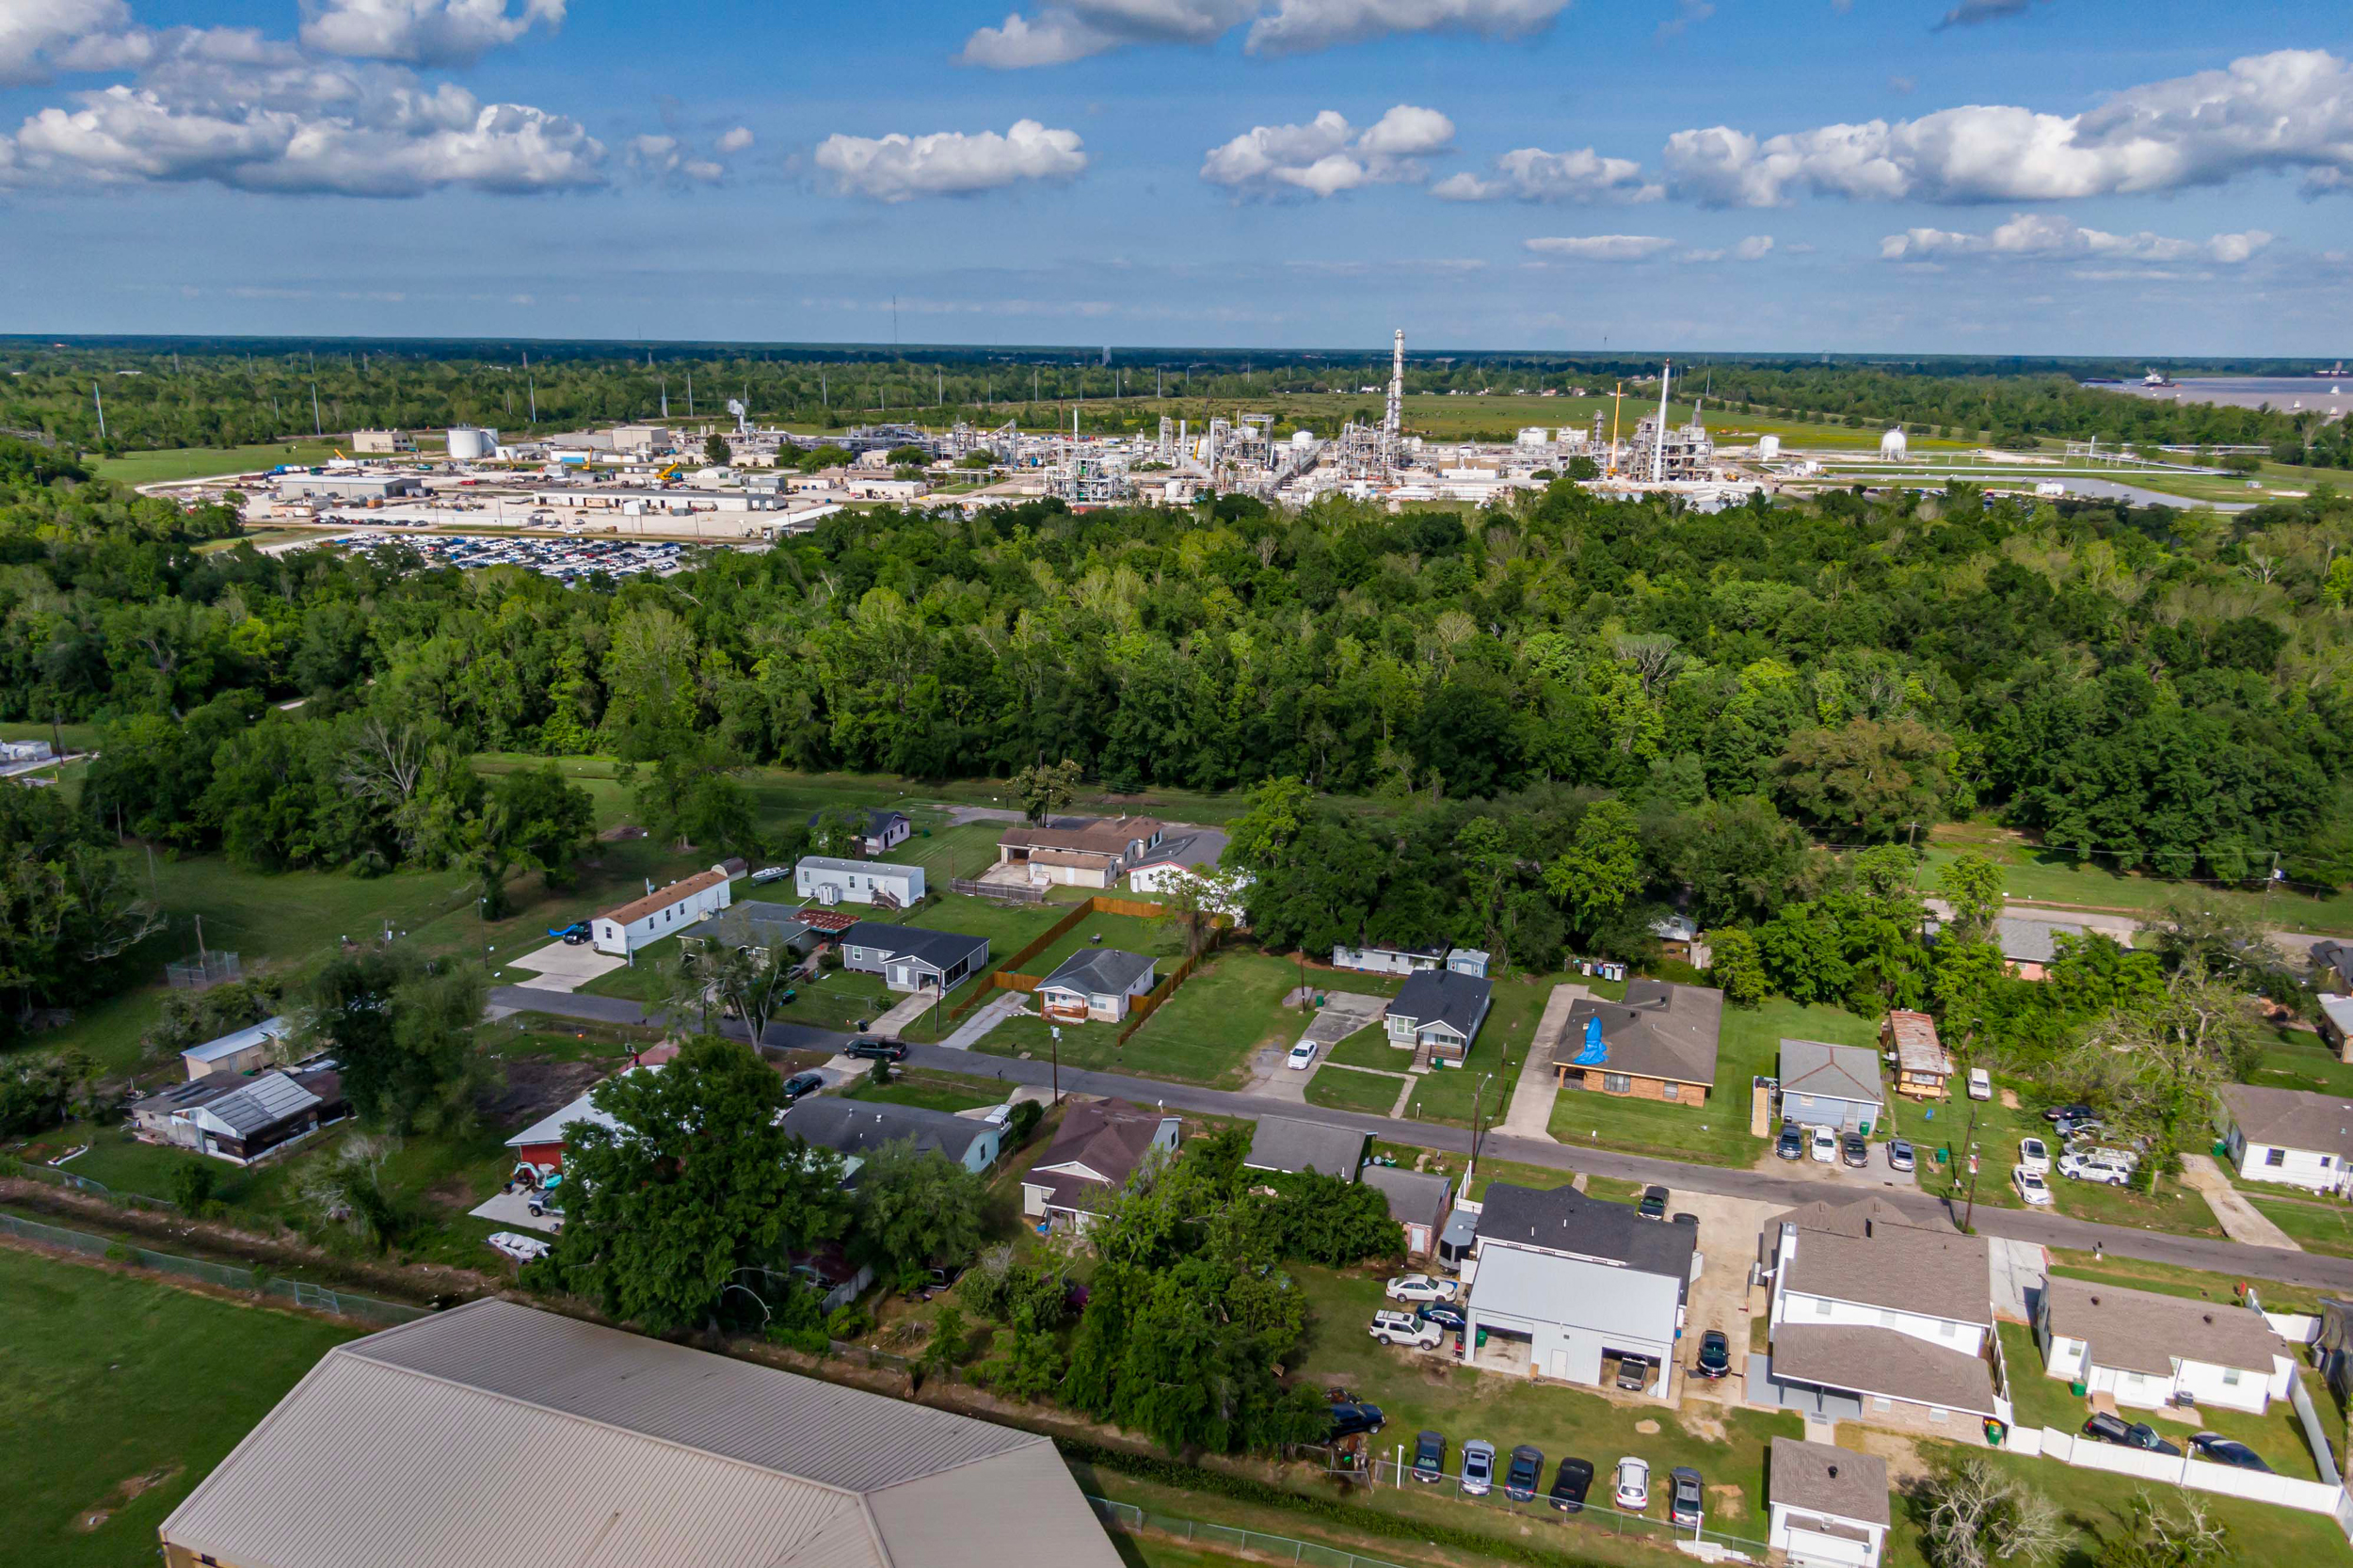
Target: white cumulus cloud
1328 155
2288 111
36 33
737 140
422 32
950 163
1532 174
1075 29
2046 236
1601 247
1754 249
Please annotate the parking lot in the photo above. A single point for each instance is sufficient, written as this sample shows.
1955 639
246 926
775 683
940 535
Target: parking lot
565 560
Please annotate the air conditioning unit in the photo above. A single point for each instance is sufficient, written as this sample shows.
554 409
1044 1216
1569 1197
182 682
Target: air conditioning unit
829 893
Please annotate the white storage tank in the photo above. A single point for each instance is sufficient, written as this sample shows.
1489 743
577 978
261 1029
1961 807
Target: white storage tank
1767 448
468 444
1893 444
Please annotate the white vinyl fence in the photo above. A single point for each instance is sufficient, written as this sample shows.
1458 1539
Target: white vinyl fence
2198 1475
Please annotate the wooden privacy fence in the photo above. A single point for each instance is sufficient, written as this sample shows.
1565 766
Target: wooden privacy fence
1149 1003
1007 976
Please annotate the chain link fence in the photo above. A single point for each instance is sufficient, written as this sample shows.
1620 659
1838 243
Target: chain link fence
95 1188
1597 1512
227 1276
1128 1516
203 971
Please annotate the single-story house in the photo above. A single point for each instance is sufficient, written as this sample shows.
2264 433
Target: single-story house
2289 1135
1099 1146
1923 1066
2144 1349
2336 1023
2031 947
1098 984
497 1434
771 927
1826 1085
1419 1200
263 1115
241 1051
1078 852
856 1129
831 882
1846 1372
624 928
1388 958
1286 1144
880 831
1583 1281
911 958
1659 1044
1677 933
2332 966
1161 863
1829 1505
1437 1014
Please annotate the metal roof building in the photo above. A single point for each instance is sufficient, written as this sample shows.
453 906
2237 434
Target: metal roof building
497 1436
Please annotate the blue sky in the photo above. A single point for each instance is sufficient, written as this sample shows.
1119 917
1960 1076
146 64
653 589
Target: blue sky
2011 176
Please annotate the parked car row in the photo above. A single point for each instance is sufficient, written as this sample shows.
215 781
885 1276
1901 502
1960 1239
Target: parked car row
1571 1480
1827 1145
2210 1446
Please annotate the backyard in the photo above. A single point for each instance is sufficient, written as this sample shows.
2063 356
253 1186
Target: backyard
118 1393
1205 1034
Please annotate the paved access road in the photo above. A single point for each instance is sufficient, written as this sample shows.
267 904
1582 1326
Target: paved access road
2309 1270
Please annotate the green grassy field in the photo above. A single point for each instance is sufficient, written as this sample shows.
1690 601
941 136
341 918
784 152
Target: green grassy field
2299 1059
933 1091
2316 1225
1205 1034
203 462
118 1395
1338 1089
2057 877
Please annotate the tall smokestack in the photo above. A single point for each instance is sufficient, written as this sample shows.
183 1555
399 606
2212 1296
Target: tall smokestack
1393 422
1658 438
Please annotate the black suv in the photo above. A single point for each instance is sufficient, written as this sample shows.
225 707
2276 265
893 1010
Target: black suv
1654 1203
1791 1144
2134 1434
1526 1472
878 1051
1570 1486
1350 1419
1429 1457
1715 1355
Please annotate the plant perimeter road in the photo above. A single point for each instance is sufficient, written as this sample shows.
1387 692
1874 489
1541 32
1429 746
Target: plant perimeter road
2309 1270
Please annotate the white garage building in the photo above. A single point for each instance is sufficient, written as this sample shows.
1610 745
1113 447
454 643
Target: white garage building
1593 1287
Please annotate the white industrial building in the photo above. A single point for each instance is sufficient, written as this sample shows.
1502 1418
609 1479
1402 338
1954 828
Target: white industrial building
622 930
1587 1285
827 881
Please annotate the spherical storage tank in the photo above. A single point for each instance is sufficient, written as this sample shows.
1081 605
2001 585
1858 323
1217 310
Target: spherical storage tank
1893 444
468 444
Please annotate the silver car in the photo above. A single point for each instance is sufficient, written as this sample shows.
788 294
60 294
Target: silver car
1479 1466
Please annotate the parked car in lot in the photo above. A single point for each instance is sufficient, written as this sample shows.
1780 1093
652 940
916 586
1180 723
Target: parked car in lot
1980 1084
2067 1112
1715 1355
1687 1498
1791 1144
1351 1417
2110 1428
1854 1151
1446 1317
1403 1328
1901 1156
2032 1190
1429 1456
1630 1485
1822 1144
2033 1155
1421 1288
878 1051
1479 1466
803 1083
1525 1473
2226 1450
2072 1127
1569 1484
1654 1203
1302 1056
2094 1167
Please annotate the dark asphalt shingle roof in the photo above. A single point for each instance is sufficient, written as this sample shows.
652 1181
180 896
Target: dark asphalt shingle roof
1442 996
861 1127
1565 1220
1883 1361
2141 1331
1416 1197
1098 971
1281 1143
1661 1031
942 949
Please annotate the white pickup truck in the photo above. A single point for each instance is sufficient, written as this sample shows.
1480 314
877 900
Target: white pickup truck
1403 1328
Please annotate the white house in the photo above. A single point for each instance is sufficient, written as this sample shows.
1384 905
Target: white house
2144 1349
2289 1136
1583 1281
621 931
880 831
826 881
1378 958
237 1053
1096 984
1829 1505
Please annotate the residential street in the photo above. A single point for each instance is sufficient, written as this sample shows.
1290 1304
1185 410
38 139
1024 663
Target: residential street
2311 1269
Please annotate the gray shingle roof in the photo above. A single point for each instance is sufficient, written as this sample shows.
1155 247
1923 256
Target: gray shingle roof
1098 971
1824 1479
1881 1361
2292 1118
878 819
1935 1273
1416 1197
2025 941
1837 1072
861 1127
1282 1143
2334 962
1565 1220
1443 995
496 1434
2141 1331
942 949
1661 1030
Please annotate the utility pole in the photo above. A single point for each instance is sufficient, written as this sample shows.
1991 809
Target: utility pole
1969 1141
1478 1133
1055 1029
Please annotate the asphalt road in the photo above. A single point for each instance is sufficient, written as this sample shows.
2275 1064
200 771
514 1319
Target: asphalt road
2309 1270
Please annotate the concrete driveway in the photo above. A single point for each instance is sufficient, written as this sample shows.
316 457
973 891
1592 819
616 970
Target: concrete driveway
2241 1221
1532 1098
1720 1297
563 967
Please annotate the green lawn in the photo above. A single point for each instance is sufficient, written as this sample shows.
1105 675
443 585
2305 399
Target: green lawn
2299 1059
203 462
933 1091
1998 1132
2167 1280
1204 1034
2317 1224
2047 875
1717 1131
118 1395
1338 1089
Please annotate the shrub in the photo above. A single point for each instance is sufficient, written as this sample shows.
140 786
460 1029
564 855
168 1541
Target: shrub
849 1321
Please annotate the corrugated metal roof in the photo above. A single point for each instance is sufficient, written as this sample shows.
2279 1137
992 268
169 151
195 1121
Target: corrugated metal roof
498 1436
270 1028
266 1101
677 893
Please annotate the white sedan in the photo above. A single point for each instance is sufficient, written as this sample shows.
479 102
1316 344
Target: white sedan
1303 1055
2033 1155
522 1249
1823 1144
2031 1186
1420 1288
